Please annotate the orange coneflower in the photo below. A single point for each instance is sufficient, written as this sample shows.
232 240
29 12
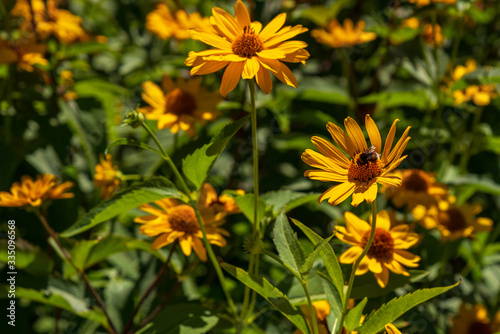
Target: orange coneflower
35 192
247 50
387 251
366 166
179 105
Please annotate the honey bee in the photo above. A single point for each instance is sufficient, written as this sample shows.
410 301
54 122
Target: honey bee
368 156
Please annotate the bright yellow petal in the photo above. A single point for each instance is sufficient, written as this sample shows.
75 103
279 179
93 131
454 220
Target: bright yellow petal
356 226
383 220
242 15
389 140
375 266
226 23
153 95
272 27
406 258
350 255
355 133
373 133
331 151
208 67
186 242
285 75
341 138
263 79
325 176
199 249
231 77
251 68
338 193
382 278
391 329
271 54
211 39
399 144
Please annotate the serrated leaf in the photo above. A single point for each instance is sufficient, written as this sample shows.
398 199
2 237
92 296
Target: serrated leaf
335 301
311 258
197 165
328 256
130 198
353 318
289 248
271 294
398 306
246 203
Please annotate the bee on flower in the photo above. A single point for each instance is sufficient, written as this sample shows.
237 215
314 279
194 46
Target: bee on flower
107 176
179 105
172 220
33 193
347 34
247 50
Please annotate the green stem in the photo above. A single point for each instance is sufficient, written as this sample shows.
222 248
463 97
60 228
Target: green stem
311 308
193 204
475 123
356 265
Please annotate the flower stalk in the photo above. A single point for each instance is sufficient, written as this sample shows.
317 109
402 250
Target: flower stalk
356 265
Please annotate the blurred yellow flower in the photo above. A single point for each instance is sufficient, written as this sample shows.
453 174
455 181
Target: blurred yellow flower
179 105
171 220
337 35
433 37
481 95
411 22
460 70
387 251
417 187
359 173
321 311
35 192
474 320
421 3
165 24
222 203
391 329
49 20
247 50
453 221
106 176
26 53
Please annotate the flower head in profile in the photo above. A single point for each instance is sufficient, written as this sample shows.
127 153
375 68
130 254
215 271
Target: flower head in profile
391 329
171 220
36 192
321 311
387 251
454 221
166 24
49 20
362 169
25 52
473 319
433 34
106 176
347 34
180 104
417 187
247 50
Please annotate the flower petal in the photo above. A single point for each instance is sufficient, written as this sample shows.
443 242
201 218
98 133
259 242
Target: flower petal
338 193
251 68
355 225
373 133
341 138
241 13
350 255
153 95
272 27
263 79
355 133
211 39
330 151
231 77
226 23
389 140
208 67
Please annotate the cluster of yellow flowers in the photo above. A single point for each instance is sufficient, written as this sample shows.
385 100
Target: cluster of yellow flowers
481 95
433 207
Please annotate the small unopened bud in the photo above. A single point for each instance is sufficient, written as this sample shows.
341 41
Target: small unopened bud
253 245
134 118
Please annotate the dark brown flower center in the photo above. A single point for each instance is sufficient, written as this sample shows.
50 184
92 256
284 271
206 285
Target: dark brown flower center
365 166
453 220
480 328
183 218
180 102
248 44
415 182
382 246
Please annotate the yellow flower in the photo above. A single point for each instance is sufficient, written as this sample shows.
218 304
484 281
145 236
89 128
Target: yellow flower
481 95
49 20
166 24
387 251
453 221
337 35
460 70
171 220
179 105
247 50
412 23
366 166
106 176
35 192
391 329
474 320
421 3
432 37
26 53
417 187
222 203
321 311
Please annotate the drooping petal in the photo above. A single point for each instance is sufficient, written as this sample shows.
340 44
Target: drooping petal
186 242
318 160
375 266
286 76
283 35
350 255
251 68
406 258
208 67
338 193
263 79
231 77
382 278
199 249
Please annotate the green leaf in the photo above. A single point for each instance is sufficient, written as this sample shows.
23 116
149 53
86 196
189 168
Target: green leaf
323 89
130 198
289 248
328 256
271 294
182 319
308 263
246 205
277 200
60 299
335 301
391 99
131 142
367 286
398 306
197 165
353 318
29 258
